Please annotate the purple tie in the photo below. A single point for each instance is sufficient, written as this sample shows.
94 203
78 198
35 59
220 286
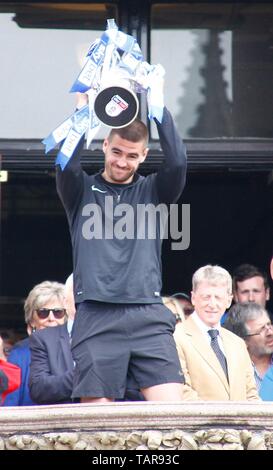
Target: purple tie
216 348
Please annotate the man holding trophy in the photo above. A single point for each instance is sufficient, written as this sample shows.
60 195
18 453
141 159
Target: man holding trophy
121 329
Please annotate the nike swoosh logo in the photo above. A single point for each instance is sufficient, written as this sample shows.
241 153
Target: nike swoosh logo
93 187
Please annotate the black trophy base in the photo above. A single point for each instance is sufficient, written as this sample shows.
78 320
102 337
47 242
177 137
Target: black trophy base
116 106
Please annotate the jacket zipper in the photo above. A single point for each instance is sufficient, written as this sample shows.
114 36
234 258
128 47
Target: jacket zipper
118 196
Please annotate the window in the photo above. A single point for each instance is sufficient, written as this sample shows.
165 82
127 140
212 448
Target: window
219 67
42 51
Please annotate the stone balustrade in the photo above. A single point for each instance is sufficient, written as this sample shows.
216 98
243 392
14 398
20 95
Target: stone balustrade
138 425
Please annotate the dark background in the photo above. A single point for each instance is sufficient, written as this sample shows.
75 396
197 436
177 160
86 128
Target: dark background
231 223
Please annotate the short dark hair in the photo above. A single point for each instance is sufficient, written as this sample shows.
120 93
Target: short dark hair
239 314
247 271
135 132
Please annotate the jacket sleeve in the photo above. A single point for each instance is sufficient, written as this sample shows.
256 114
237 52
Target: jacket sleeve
69 181
45 387
189 394
171 177
19 357
251 389
10 378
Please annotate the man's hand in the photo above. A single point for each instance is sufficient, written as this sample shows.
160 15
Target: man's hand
81 100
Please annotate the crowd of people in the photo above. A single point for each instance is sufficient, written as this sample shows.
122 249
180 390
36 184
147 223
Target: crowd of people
40 368
107 334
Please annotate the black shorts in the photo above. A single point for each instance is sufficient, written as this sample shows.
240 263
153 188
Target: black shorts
110 341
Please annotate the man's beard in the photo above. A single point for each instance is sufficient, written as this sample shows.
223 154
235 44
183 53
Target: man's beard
122 177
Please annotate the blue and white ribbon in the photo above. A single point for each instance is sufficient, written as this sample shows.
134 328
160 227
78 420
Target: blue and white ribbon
70 132
57 135
114 54
95 58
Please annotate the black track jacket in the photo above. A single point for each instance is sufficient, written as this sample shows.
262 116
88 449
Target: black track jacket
108 268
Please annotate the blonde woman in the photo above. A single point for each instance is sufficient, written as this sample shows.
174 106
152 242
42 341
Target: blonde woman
44 307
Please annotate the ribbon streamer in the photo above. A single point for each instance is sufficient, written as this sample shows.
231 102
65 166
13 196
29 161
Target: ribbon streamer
115 54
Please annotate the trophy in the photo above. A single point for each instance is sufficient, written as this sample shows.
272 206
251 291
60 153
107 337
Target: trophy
116 104
113 73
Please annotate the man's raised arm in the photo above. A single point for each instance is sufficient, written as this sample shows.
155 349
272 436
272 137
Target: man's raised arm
70 180
171 177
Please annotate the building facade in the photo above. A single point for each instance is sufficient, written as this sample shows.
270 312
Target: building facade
218 59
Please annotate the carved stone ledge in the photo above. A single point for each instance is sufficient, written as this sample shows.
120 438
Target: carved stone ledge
129 426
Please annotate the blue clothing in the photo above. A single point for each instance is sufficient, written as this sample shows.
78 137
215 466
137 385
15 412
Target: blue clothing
224 317
20 356
266 389
258 378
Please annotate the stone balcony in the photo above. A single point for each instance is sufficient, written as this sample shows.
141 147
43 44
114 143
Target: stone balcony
135 425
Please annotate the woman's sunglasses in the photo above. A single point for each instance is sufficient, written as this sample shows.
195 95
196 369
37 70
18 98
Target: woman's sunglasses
43 313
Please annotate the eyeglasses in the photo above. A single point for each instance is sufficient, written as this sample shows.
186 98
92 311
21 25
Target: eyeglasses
262 330
58 313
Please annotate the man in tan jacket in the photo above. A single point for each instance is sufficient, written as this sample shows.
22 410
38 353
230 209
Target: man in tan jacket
215 361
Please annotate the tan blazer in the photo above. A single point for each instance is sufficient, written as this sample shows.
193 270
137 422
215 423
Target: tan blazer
204 376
